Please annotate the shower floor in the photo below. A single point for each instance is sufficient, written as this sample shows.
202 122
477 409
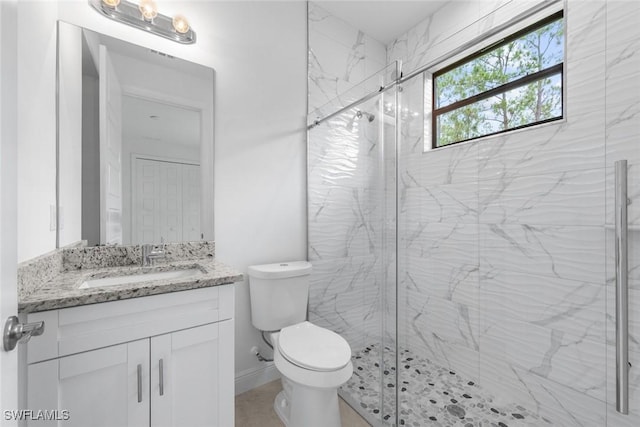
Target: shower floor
429 395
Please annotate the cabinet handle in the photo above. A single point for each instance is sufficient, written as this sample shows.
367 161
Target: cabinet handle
139 383
161 377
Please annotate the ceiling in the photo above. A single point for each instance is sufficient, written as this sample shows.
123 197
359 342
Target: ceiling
384 20
154 121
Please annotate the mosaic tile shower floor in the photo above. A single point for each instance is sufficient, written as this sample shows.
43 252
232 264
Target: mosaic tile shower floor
429 395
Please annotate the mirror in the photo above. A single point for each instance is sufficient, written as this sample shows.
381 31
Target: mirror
135 143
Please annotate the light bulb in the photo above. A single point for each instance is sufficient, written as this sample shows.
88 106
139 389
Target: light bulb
148 9
111 3
180 24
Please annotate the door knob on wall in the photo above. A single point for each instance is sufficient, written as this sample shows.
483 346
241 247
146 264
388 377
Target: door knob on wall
15 332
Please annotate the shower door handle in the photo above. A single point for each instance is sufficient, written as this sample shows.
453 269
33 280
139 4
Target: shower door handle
622 293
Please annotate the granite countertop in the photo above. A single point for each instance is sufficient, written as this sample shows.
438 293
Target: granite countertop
63 291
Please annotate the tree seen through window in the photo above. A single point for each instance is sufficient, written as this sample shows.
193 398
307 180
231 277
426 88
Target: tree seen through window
514 84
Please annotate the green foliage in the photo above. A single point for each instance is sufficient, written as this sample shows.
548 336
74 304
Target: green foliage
540 100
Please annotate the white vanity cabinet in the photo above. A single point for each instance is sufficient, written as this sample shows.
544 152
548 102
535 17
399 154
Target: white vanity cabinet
98 387
164 360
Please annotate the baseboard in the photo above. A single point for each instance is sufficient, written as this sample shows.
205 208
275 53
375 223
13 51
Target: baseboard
252 378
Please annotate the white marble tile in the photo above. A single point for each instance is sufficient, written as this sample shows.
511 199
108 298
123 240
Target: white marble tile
459 359
566 358
622 72
586 25
565 252
343 223
568 306
623 84
343 153
555 403
443 203
398 50
500 378
445 277
435 36
375 55
447 165
623 132
343 294
332 60
575 144
571 197
585 90
496 12
622 23
561 405
436 321
323 22
456 240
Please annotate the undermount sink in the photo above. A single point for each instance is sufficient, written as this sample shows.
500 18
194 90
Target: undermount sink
141 277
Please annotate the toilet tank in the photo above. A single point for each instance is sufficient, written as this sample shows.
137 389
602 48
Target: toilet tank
279 294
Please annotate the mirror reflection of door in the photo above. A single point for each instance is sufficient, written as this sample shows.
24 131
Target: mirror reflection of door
145 145
161 148
166 201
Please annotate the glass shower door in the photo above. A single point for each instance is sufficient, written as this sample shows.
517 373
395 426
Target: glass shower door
622 130
351 230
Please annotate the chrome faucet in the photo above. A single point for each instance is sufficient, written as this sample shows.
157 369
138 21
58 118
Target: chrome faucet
150 254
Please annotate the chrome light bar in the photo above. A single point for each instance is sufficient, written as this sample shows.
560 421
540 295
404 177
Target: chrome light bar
129 13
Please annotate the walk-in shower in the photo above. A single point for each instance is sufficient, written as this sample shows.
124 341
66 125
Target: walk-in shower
477 283
354 206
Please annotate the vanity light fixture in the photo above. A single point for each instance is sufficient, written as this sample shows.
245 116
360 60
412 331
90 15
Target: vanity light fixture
148 9
180 24
145 16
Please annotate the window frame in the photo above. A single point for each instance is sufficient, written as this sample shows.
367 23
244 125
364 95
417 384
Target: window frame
522 81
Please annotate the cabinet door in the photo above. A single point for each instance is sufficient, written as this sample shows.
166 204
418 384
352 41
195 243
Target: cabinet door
195 368
97 388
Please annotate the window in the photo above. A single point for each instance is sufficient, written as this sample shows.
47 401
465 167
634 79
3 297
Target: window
509 85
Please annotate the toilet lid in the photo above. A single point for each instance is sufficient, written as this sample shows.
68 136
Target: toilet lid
313 347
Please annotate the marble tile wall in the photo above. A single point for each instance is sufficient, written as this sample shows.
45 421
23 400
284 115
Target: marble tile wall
505 256
622 127
340 57
506 263
346 191
345 214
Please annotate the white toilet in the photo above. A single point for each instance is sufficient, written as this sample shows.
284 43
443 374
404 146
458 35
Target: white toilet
313 361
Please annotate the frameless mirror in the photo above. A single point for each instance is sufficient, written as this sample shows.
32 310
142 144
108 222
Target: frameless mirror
135 143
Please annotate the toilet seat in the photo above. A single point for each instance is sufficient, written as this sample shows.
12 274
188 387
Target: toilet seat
314 348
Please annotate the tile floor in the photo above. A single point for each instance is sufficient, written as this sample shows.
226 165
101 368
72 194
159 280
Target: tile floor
429 395
255 409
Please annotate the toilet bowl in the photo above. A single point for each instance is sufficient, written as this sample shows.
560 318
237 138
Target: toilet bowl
313 362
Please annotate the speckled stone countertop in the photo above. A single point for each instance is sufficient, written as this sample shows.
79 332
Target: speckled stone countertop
53 281
63 290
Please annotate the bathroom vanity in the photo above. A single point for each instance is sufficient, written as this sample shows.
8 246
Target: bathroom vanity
155 353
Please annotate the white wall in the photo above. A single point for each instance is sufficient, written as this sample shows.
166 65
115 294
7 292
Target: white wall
258 50
36 127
